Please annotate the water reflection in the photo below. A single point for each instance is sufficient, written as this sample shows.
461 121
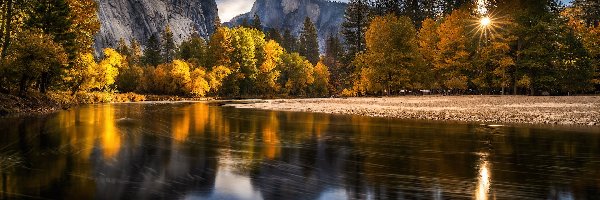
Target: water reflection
198 151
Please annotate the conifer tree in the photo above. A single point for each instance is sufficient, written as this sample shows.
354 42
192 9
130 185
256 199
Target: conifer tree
309 44
289 41
356 21
152 52
256 23
169 47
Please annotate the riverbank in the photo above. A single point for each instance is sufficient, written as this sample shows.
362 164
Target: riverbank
571 110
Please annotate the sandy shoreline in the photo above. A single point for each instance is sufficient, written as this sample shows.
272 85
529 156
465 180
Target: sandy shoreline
572 110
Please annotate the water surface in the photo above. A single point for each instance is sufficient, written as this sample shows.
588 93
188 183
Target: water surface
198 151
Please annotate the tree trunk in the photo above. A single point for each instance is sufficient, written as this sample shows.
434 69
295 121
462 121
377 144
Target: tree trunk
8 26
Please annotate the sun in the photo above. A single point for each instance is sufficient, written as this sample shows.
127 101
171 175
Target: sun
485 21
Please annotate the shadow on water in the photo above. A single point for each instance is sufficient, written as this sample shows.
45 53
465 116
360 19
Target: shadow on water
193 150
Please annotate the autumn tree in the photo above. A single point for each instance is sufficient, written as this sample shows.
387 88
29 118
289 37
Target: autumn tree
321 80
269 72
454 50
297 75
428 40
30 58
391 56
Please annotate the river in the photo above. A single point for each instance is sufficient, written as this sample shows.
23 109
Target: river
201 151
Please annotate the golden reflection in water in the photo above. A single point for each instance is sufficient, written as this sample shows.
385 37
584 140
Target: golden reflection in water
180 124
200 112
484 178
270 138
111 139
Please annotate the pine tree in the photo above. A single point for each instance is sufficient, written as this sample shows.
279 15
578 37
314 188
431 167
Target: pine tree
356 21
169 47
289 41
309 44
334 53
256 23
53 17
152 55
273 34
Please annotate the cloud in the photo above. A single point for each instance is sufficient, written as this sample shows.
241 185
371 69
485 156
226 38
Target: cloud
228 9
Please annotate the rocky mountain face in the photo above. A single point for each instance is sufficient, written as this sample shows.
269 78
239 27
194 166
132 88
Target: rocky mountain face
290 14
139 19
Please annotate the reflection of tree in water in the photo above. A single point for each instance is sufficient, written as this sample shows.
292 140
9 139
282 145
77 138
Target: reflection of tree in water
173 151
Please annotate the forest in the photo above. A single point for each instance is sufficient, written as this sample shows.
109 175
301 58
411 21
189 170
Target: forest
386 47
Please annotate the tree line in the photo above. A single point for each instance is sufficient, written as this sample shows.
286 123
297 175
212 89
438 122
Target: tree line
386 47
525 47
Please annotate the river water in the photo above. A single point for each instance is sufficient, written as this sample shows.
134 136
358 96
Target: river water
200 151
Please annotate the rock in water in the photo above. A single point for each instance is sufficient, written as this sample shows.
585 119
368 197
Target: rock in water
290 14
139 19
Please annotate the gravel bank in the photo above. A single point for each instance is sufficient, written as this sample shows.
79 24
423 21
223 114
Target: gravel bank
573 110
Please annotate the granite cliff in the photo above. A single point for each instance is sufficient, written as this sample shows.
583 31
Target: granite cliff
139 19
290 14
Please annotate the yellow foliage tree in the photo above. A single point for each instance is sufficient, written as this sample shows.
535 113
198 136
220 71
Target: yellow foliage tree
198 86
266 80
216 77
105 74
321 84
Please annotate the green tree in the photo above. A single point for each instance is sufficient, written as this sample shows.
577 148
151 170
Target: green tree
169 48
194 50
309 44
290 42
356 22
334 52
152 52
256 23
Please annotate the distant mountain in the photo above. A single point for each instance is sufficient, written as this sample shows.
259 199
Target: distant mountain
139 19
290 14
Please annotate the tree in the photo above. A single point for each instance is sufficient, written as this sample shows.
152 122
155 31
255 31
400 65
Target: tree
256 23
266 82
297 74
590 11
31 57
356 21
321 82
220 47
428 39
106 72
309 44
194 50
289 41
168 44
152 53
334 53
454 50
273 34
85 24
198 86
392 54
